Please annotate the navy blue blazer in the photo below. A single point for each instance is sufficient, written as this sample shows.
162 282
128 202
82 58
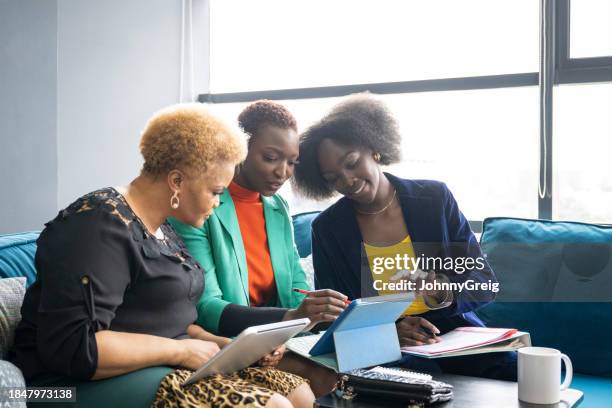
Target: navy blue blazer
436 227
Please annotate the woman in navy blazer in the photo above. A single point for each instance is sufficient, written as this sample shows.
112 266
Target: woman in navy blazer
343 153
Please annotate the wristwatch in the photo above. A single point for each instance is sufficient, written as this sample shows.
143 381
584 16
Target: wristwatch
432 303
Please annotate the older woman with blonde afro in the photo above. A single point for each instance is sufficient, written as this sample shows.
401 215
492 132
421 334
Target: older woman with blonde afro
116 293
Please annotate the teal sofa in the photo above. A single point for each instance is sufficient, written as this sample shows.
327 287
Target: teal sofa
534 261
556 283
514 248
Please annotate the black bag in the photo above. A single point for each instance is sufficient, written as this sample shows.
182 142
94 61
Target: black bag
393 384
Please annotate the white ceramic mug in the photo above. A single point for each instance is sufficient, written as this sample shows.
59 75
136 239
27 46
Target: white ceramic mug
539 374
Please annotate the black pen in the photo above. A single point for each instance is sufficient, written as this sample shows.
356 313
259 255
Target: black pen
428 331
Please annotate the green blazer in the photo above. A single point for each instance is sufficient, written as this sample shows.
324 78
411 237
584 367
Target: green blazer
218 247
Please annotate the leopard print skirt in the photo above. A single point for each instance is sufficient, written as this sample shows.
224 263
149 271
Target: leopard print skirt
250 387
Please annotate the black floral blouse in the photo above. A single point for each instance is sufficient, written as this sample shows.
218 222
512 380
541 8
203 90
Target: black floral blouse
100 269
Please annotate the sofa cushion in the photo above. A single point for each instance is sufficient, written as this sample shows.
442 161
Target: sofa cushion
547 272
135 389
303 232
10 376
596 390
308 267
17 256
13 290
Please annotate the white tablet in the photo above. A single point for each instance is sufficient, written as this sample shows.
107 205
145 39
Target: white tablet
248 347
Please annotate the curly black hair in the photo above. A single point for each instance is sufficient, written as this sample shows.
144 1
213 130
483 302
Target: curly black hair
360 120
265 112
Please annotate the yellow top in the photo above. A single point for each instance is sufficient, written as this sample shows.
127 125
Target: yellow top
383 274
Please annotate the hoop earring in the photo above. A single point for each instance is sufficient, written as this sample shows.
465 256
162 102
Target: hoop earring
174 200
376 156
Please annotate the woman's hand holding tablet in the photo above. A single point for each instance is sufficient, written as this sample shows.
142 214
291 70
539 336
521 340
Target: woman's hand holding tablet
195 352
250 346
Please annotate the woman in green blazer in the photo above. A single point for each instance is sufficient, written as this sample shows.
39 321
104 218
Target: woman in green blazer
246 281
219 248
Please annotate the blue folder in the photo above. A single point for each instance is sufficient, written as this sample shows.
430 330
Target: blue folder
364 334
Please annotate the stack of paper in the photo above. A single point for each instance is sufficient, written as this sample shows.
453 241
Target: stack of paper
472 340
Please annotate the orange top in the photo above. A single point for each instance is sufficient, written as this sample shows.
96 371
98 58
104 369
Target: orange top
249 210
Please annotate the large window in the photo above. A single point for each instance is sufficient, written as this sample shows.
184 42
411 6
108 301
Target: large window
582 162
591 31
278 44
582 182
460 76
471 149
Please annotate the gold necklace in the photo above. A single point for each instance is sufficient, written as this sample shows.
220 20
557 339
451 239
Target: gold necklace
379 211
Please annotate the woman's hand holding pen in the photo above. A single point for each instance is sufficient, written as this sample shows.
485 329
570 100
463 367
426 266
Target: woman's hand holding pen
416 331
319 306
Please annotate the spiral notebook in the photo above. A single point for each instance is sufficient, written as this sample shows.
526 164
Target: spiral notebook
395 384
397 374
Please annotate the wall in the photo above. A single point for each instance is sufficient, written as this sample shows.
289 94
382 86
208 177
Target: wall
118 61
28 93
79 79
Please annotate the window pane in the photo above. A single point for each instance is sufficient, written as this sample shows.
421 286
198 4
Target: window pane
590 28
582 189
483 144
278 44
